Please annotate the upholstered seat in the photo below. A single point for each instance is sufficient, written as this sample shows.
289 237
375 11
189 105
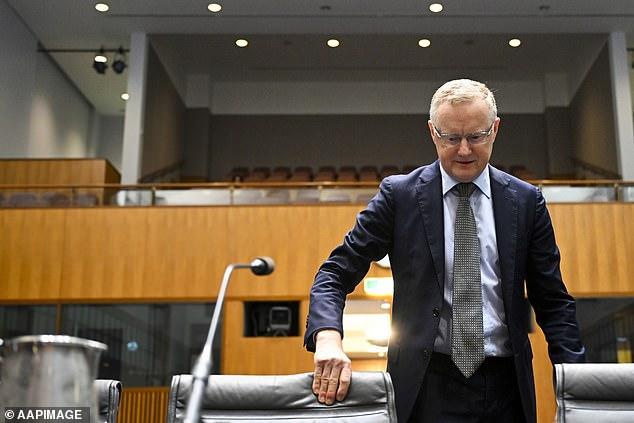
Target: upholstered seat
595 392
108 398
272 398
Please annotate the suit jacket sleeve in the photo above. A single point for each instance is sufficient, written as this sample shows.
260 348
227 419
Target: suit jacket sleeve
555 309
369 240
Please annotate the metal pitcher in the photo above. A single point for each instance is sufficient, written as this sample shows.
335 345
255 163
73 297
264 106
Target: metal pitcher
50 371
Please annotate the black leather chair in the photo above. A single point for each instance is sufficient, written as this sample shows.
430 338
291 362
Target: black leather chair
271 398
595 392
108 399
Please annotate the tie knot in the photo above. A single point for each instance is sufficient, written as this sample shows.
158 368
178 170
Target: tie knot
465 189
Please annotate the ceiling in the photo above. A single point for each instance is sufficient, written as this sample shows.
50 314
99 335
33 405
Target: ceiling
379 38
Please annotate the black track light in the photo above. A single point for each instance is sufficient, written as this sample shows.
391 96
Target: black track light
119 64
99 63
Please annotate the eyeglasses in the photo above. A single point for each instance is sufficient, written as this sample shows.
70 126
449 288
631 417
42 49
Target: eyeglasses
474 138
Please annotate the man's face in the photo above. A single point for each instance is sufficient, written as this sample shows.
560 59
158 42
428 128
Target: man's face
464 161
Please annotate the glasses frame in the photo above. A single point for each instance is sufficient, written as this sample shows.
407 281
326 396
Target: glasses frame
445 136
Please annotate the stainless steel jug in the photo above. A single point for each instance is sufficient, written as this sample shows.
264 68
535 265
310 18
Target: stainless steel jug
50 371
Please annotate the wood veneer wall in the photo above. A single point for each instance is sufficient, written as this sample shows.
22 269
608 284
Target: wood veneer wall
179 253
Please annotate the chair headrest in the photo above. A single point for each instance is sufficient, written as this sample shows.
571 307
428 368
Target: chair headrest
239 392
595 381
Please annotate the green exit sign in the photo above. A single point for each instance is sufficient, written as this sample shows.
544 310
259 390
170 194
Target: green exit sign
379 287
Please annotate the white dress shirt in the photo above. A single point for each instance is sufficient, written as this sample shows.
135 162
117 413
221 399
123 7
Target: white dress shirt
496 335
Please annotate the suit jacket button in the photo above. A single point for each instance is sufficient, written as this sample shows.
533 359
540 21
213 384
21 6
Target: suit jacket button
425 352
436 312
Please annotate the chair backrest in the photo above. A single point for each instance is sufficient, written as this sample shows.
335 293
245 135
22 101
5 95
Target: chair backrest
595 392
270 398
108 398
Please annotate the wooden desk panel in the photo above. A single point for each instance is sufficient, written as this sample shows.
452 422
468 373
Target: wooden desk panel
57 172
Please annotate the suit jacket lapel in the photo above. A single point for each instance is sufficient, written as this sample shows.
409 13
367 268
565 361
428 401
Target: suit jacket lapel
429 195
505 213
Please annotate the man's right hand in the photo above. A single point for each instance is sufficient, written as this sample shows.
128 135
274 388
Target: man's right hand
332 368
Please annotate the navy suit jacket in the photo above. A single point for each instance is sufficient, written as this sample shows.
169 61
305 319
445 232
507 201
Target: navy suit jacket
405 220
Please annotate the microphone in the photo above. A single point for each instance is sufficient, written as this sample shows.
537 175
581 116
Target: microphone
260 266
263 266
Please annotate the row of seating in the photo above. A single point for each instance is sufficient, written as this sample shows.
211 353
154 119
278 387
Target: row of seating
584 393
323 174
48 199
343 174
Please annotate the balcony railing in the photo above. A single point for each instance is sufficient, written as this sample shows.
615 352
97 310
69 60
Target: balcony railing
226 194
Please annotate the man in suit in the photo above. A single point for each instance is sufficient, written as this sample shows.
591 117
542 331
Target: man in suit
465 242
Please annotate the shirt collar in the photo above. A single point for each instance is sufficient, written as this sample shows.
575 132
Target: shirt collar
483 182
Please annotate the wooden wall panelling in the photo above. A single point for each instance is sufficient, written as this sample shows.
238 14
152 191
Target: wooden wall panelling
187 251
337 221
261 355
289 234
543 371
104 255
596 243
31 254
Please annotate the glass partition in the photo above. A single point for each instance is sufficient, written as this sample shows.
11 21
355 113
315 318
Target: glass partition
236 194
147 343
607 328
564 194
27 320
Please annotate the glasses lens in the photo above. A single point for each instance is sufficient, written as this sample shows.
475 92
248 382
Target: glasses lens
476 138
452 139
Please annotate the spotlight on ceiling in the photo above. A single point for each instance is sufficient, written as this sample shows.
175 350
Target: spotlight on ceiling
99 63
333 43
435 7
214 7
119 64
125 96
102 7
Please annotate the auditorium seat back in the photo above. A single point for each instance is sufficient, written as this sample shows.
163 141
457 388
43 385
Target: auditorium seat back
290 397
595 392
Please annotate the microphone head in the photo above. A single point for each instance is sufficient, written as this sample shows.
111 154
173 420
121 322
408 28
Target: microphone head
262 266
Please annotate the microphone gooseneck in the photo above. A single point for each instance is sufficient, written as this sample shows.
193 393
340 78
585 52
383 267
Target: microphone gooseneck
200 373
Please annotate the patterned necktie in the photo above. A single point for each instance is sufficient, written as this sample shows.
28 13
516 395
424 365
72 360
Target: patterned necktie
467 339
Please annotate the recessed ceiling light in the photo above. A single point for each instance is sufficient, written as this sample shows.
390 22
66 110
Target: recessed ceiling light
125 96
102 7
333 43
515 42
242 42
435 7
214 7
424 43
101 58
